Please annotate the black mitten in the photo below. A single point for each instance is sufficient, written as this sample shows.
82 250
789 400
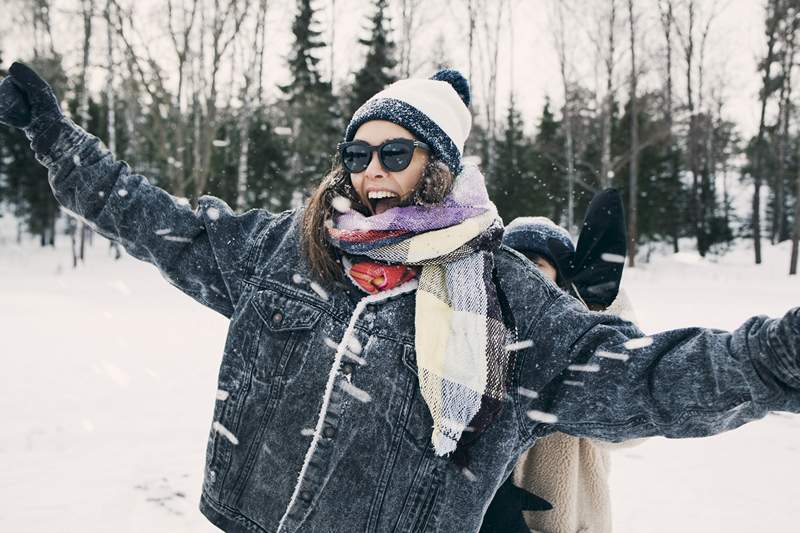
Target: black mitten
595 268
504 514
28 102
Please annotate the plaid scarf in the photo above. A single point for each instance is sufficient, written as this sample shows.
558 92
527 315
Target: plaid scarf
460 335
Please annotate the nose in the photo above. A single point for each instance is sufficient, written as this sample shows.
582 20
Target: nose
375 169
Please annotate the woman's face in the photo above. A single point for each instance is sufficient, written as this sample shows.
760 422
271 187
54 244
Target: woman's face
380 189
544 266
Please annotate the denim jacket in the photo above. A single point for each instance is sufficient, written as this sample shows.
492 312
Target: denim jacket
297 444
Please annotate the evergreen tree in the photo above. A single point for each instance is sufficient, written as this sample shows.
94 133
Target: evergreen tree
510 185
379 66
310 110
25 186
549 176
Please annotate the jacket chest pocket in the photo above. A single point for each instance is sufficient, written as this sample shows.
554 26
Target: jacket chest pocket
286 334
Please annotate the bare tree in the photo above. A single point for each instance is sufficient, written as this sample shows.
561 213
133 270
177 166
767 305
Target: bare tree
779 230
411 22
180 28
78 229
224 24
253 64
772 20
633 191
666 19
111 131
560 30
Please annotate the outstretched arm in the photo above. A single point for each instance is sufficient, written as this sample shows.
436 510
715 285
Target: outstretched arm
202 251
599 376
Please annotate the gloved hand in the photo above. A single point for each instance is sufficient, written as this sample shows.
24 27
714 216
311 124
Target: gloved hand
595 268
27 101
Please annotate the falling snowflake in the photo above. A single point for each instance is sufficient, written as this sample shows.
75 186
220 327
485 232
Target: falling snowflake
297 278
527 393
612 355
175 238
573 383
319 290
222 395
521 345
584 368
122 193
213 213
541 416
77 160
359 394
471 477
222 430
165 231
613 258
341 204
642 342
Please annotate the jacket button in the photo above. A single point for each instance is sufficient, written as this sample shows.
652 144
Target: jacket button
277 317
372 308
306 495
347 369
328 432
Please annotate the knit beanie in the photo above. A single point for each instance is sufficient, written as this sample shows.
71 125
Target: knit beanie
530 235
435 110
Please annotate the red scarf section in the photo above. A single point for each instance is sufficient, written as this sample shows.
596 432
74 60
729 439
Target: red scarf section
376 277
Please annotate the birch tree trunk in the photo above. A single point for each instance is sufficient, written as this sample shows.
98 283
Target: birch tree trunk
633 200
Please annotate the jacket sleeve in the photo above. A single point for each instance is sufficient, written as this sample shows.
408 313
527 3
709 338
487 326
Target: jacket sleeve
203 251
596 375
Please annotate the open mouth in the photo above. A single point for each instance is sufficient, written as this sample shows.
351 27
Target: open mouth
380 201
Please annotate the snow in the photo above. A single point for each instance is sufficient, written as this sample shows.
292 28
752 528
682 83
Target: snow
517 346
109 385
635 344
541 416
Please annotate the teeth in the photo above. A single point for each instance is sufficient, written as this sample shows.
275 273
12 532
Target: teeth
374 195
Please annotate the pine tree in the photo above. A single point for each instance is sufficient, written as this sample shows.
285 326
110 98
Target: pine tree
549 177
379 66
310 106
508 185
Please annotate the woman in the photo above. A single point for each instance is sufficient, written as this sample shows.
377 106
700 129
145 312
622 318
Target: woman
340 408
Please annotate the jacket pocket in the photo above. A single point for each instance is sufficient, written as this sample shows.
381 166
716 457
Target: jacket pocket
284 337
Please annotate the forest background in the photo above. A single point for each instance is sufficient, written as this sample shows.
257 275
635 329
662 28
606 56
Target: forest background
687 106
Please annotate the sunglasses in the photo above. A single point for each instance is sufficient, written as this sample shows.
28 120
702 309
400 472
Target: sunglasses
395 155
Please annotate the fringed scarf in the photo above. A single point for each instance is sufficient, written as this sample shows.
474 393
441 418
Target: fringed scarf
460 335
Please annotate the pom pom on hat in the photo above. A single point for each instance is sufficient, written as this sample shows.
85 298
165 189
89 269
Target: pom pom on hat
457 80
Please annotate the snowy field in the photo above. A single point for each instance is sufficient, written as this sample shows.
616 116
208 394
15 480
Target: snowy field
108 380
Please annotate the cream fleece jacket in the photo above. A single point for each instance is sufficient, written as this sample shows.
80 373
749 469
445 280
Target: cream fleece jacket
571 473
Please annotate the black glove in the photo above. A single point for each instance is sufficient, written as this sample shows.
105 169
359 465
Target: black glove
595 268
504 514
28 102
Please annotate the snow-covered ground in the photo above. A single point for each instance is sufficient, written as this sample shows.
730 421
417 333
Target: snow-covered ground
108 379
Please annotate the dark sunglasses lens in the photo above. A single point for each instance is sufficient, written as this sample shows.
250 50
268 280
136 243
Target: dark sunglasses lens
356 157
396 156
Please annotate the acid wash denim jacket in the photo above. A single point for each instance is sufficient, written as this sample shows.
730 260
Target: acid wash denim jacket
300 444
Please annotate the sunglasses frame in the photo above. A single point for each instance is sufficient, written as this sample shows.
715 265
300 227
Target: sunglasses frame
342 146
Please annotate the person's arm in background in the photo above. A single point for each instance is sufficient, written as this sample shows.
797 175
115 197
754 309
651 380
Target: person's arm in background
203 251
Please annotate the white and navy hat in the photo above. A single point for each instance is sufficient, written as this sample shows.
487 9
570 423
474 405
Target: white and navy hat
435 110
530 235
